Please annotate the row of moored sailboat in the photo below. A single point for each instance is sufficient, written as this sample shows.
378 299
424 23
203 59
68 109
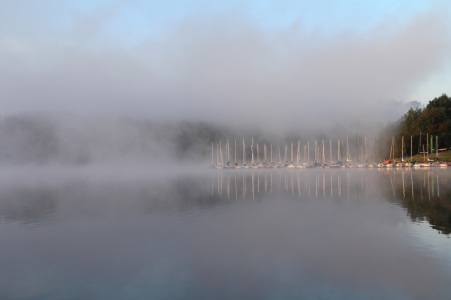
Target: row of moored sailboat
272 157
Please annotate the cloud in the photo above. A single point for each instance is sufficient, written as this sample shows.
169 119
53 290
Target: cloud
227 69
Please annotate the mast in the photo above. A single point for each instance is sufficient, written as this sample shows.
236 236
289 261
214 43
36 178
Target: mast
271 154
291 161
427 146
436 147
212 154
220 152
324 154
419 145
227 151
330 150
402 149
308 152
258 155
252 152
393 147
432 144
348 158
374 150
235 150
424 155
319 153
410 148
357 148
244 153
298 154
316 151
366 157
285 156
361 150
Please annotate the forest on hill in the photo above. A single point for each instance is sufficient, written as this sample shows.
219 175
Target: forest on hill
421 128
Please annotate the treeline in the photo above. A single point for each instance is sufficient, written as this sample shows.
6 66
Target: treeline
69 139
419 124
77 140
43 139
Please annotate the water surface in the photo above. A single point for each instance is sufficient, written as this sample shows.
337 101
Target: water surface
121 233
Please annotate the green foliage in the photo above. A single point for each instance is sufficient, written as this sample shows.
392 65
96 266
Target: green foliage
434 119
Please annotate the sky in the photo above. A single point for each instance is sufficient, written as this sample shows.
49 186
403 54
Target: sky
265 63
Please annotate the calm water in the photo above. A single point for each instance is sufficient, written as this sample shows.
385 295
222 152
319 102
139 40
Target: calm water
120 233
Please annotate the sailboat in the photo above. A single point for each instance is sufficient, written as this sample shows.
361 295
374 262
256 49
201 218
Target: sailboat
219 157
271 163
323 157
404 162
244 156
260 164
439 164
253 165
298 156
348 163
338 163
236 165
424 164
227 164
307 163
389 163
291 163
212 155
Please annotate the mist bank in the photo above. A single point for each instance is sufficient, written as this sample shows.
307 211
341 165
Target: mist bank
39 138
230 70
69 139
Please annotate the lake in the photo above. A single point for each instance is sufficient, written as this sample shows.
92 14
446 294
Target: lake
186 233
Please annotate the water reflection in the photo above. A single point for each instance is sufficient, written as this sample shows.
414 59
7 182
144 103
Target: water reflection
29 206
302 184
248 234
425 194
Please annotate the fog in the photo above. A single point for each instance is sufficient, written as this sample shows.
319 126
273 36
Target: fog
82 95
229 70
77 140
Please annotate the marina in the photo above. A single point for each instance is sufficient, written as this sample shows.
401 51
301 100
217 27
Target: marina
292 158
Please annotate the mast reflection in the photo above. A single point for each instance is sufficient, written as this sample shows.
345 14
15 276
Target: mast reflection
425 194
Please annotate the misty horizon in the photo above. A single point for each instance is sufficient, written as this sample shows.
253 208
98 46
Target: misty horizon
49 138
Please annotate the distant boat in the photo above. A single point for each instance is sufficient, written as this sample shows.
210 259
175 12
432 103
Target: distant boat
235 164
244 156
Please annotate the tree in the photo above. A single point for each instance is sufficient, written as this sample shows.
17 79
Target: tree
434 119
